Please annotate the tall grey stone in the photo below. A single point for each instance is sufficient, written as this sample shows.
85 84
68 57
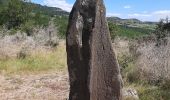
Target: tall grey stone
93 69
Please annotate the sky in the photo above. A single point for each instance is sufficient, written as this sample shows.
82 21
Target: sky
145 10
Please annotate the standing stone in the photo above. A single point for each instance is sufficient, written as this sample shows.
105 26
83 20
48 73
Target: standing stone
93 69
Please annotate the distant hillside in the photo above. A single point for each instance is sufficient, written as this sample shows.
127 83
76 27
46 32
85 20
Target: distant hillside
132 23
54 11
130 28
122 21
51 11
39 15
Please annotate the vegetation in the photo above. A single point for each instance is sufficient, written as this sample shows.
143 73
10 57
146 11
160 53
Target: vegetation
145 67
61 22
132 23
23 15
50 11
39 60
133 77
113 30
15 13
162 31
19 15
133 32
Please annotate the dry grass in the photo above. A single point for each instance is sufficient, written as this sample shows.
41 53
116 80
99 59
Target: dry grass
146 68
154 62
40 51
38 60
49 86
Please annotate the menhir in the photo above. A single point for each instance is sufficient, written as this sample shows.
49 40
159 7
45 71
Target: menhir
93 69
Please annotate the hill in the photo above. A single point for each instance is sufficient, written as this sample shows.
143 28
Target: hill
41 15
51 11
132 23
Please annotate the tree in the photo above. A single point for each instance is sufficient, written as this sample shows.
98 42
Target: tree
162 31
113 28
15 13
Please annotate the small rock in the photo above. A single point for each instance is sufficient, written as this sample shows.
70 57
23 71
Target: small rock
130 94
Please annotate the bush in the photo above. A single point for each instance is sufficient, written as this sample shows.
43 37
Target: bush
153 62
162 31
41 20
18 15
28 27
165 84
61 23
15 13
128 68
113 30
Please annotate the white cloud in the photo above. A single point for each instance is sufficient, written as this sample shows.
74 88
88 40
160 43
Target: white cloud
59 3
139 15
144 16
162 13
113 14
152 16
127 6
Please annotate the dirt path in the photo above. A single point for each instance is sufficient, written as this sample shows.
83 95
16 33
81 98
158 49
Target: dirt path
53 86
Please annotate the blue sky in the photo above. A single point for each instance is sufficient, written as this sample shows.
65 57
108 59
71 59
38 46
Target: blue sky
145 10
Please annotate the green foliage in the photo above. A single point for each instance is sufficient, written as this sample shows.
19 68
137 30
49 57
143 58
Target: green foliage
41 20
133 32
3 3
162 31
28 27
61 22
15 13
128 68
18 15
37 20
165 84
147 92
49 11
113 30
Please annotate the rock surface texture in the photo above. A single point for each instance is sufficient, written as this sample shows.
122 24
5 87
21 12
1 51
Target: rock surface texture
93 69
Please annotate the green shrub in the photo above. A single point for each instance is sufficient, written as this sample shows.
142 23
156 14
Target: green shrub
113 28
128 68
132 75
41 20
162 31
148 92
28 27
15 13
12 31
165 84
61 22
133 32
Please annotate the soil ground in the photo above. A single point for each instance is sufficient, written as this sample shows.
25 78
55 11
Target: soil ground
48 86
